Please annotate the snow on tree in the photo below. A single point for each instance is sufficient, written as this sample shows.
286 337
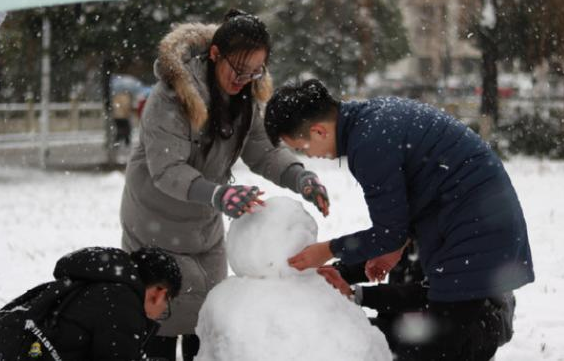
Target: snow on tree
337 41
488 15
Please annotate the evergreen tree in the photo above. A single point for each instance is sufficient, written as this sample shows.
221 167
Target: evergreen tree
95 40
338 41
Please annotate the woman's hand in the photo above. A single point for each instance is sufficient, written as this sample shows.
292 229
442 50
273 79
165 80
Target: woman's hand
234 201
313 191
313 256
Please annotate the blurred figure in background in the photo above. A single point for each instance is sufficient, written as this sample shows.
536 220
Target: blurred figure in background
122 111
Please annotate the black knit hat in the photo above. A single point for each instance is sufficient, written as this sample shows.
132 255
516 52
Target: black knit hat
156 267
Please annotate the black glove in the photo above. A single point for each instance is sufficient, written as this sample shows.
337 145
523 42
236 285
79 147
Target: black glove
234 201
313 191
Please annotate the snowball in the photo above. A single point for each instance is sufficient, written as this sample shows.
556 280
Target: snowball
259 244
285 319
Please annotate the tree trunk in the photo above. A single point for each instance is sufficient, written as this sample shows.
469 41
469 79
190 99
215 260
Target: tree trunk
365 37
489 109
45 91
110 128
490 103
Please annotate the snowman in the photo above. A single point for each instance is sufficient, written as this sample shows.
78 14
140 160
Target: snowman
270 311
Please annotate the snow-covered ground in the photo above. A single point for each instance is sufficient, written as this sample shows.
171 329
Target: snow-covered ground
44 215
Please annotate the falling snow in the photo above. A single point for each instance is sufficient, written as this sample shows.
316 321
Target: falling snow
46 215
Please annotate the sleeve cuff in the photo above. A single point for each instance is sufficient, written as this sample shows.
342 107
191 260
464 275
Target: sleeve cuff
336 247
289 178
358 295
202 190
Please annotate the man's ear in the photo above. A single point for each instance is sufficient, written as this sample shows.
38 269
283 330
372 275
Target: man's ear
214 53
162 293
154 294
318 129
150 294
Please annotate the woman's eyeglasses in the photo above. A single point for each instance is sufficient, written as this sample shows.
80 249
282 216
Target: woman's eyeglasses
242 78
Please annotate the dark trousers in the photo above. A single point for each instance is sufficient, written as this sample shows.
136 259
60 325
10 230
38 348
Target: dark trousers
160 348
123 130
460 331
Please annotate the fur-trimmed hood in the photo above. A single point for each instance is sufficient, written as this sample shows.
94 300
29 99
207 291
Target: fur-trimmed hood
181 45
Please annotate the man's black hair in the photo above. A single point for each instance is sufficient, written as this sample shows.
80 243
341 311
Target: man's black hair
157 268
295 106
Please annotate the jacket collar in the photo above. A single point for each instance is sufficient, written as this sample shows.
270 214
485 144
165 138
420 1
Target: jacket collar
345 122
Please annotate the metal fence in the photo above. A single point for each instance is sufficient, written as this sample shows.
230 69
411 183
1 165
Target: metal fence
76 134
79 128
64 117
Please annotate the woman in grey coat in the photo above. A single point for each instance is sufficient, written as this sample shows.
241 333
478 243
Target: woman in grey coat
204 113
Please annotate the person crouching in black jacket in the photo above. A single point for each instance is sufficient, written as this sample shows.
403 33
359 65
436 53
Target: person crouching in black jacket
405 292
402 305
113 307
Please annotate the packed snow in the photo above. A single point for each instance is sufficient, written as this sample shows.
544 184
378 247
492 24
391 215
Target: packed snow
283 319
270 311
44 215
259 244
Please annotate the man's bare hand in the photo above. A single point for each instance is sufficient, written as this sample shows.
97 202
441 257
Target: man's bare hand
313 256
333 277
379 267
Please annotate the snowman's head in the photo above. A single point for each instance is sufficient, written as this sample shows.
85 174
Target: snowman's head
259 244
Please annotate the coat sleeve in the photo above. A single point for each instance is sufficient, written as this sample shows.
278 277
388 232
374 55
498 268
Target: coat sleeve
120 327
263 158
377 165
165 135
352 273
395 298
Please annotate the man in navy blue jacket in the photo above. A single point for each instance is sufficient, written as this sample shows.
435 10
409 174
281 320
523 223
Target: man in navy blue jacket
425 176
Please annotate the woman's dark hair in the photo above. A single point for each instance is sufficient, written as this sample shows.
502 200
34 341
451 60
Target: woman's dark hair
240 34
294 106
158 268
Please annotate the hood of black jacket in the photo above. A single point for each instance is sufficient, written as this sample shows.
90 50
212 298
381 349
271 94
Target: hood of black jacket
100 264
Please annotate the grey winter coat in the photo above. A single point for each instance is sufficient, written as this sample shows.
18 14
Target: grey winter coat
169 164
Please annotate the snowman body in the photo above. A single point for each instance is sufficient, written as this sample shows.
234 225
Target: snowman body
270 311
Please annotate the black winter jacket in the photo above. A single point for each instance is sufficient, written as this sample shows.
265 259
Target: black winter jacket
106 319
